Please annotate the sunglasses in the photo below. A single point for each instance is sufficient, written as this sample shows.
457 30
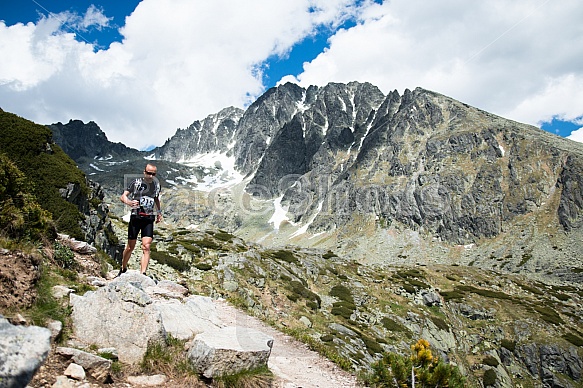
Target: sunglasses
150 173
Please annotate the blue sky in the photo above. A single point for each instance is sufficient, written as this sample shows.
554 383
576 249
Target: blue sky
142 69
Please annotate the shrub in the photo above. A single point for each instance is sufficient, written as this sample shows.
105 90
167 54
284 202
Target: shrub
21 217
171 261
440 323
342 292
299 290
372 346
490 361
44 163
329 255
395 370
549 315
64 256
207 243
508 344
204 266
574 339
489 378
392 325
224 236
343 309
286 256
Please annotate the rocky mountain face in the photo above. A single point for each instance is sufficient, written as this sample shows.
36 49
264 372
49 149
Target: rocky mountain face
402 178
213 134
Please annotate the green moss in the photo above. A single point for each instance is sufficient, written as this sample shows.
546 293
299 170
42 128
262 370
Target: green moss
327 338
508 344
170 260
440 323
343 309
490 361
549 315
204 266
329 255
392 325
574 339
489 378
207 243
342 292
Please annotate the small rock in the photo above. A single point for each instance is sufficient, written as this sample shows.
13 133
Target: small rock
56 327
306 321
61 291
149 381
75 372
63 382
18 320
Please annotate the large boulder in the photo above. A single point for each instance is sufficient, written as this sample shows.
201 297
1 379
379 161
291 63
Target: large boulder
23 349
229 350
184 320
120 315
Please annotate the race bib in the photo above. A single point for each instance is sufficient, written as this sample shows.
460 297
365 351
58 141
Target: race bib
147 203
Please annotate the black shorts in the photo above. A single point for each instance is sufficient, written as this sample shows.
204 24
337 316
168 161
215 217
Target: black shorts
143 225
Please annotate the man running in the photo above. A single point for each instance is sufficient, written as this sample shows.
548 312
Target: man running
145 203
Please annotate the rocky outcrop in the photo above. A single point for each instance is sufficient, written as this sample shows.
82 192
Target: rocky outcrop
132 312
213 134
23 349
88 141
229 350
342 154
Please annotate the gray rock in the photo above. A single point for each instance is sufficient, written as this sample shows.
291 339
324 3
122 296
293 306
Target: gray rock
56 327
229 350
98 367
185 320
431 298
148 381
119 315
23 349
75 371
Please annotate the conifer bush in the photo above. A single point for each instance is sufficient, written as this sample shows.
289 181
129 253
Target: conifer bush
21 217
421 369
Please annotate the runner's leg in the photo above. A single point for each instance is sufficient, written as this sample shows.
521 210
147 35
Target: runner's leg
146 241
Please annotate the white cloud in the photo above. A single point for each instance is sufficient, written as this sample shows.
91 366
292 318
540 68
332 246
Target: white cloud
576 135
519 59
179 61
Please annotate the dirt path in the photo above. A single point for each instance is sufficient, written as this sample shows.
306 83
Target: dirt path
291 361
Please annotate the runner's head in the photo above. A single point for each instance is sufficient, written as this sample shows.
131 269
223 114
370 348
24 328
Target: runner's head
150 171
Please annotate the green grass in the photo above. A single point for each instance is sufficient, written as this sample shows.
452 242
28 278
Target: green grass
253 378
170 359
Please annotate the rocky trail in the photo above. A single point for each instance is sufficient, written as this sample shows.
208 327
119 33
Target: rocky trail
291 361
